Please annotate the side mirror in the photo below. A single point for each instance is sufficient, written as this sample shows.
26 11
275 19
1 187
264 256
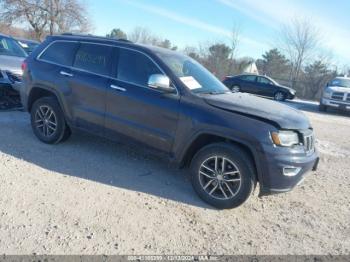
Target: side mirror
160 82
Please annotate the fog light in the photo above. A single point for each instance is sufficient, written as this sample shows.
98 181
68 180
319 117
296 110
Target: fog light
291 171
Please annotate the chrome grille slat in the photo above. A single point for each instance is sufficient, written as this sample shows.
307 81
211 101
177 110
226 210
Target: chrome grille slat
338 96
309 142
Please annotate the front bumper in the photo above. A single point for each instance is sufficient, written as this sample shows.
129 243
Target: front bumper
274 180
291 96
343 105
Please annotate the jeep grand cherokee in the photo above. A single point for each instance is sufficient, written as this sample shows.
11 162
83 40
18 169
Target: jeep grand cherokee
170 104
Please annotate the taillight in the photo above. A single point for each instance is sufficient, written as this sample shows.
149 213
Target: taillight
24 66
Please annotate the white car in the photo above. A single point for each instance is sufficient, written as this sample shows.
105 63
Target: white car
11 58
336 94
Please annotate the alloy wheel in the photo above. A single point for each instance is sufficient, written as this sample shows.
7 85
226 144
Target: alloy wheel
220 177
279 96
45 121
235 89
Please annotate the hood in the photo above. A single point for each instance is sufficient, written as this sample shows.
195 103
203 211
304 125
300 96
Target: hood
11 63
339 89
287 88
280 115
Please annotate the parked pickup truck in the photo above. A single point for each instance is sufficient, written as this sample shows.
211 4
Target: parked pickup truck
336 94
170 104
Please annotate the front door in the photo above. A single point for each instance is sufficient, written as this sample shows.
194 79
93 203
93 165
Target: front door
135 110
266 87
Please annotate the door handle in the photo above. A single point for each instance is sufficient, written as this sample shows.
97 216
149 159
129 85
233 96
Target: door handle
66 74
118 88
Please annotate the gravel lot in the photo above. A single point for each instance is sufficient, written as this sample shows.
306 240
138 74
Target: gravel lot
91 196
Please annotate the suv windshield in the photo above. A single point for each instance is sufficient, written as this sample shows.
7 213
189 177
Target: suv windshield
10 47
342 82
196 78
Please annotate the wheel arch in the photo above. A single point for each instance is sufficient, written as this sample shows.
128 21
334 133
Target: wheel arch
37 92
204 139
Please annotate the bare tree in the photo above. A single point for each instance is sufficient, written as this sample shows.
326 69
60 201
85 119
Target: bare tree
234 41
45 16
299 39
144 36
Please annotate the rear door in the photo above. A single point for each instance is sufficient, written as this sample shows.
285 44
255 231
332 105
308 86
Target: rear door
88 81
135 110
248 84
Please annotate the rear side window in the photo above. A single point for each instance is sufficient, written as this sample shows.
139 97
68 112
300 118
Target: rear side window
135 67
61 53
248 78
94 58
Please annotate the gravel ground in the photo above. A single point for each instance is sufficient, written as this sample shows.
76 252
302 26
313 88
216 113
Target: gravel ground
91 196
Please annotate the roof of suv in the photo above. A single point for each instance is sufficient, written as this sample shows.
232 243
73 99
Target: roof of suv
80 37
104 40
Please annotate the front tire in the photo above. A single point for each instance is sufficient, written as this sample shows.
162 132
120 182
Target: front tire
223 175
47 120
280 96
322 108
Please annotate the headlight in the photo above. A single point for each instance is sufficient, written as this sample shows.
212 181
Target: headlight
327 93
285 138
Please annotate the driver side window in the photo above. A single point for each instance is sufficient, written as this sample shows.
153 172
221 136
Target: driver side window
135 67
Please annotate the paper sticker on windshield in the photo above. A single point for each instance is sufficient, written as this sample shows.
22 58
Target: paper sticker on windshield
190 82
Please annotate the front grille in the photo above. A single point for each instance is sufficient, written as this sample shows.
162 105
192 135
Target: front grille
338 96
348 98
309 142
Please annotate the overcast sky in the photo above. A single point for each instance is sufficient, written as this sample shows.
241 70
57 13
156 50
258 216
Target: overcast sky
189 22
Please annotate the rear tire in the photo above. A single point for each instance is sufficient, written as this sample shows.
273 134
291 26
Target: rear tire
235 89
233 177
48 122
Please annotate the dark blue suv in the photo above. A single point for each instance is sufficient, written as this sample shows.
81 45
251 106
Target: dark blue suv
171 105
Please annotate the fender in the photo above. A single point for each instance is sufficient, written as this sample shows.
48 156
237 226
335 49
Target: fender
57 95
253 149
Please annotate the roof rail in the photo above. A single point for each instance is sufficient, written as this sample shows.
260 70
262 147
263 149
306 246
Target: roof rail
99 37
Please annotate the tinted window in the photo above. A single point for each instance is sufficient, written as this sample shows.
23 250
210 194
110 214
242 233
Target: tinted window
61 53
264 80
248 78
94 58
135 67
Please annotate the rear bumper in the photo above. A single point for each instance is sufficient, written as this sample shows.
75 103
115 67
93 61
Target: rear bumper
275 179
343 105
